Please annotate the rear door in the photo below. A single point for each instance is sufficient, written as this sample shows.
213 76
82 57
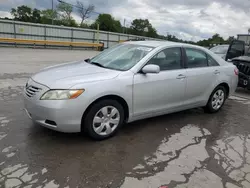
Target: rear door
202 73
236 49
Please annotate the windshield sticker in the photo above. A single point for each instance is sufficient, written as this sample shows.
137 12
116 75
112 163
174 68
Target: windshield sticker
144 49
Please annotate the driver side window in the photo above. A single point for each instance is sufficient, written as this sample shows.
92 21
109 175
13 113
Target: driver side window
167 59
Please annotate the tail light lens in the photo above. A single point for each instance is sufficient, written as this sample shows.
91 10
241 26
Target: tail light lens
236 71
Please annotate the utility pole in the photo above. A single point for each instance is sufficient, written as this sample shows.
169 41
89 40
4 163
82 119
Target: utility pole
52 19
98 32
124 23
248 42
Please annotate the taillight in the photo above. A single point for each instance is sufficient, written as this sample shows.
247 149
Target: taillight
236 71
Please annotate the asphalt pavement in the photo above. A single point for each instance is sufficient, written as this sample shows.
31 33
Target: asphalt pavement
189 149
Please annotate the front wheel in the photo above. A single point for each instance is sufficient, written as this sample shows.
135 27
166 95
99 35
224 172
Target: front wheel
216 100
103 119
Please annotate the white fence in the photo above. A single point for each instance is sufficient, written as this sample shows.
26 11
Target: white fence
24 30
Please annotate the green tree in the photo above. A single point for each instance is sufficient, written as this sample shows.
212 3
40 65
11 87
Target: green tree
107 23
217 39
36 16
205 43
72 23
48 15
85 25
143 27
152 32
26 14
66 11
230 39
214 40
22 13
84 12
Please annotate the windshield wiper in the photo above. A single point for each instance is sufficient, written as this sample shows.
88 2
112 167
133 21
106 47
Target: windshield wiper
97 64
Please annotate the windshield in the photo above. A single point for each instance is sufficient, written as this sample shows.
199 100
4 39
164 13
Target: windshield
220 49
121 57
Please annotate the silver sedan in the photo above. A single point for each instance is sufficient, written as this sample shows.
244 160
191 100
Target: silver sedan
128 82
220 50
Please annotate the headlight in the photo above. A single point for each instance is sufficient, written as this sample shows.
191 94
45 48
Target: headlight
61 94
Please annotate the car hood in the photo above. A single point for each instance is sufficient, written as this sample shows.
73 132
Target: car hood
221 55
242 58
64 76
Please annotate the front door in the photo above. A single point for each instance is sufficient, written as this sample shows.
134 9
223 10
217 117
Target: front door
156 93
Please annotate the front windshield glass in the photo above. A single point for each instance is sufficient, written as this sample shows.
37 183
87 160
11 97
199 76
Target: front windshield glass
220 49
121 57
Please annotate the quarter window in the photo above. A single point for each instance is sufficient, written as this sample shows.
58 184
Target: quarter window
196 58
167 59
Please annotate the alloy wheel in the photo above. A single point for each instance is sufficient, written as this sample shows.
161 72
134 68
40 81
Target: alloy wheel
218 99
106 120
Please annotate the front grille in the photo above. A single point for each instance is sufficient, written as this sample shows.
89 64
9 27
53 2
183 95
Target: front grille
243 68
31 90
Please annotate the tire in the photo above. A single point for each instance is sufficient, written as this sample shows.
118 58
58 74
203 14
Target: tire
214 105
100 125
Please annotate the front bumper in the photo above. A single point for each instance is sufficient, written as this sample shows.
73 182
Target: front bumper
59 115
62 115
244 81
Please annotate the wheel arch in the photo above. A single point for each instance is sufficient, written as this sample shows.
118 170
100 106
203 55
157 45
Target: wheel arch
117 98
226 86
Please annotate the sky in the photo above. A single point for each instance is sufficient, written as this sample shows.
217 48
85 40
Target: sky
186 19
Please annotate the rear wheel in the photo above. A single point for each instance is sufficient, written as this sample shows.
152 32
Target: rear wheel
216 100
104 119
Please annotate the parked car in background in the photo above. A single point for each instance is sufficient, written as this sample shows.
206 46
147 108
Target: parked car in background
239 54
128 82
220 50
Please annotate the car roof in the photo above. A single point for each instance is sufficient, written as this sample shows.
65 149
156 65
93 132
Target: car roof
226 45
156 44
151 43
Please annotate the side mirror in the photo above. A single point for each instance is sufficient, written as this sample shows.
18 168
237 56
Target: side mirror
87 60
154 69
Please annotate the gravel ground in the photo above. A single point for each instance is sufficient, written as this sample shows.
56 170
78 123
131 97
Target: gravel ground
186 149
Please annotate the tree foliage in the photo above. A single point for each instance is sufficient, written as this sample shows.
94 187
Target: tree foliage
36 16
66 11
63 16
49 14
107 23
84 12
22 13
214 40
143 27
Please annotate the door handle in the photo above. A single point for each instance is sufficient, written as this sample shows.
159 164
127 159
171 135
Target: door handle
216 72
181 76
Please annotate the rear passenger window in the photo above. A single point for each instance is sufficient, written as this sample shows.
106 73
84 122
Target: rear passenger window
211 61
168 59
196 58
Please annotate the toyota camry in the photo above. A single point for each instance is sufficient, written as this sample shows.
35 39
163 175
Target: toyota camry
128 82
